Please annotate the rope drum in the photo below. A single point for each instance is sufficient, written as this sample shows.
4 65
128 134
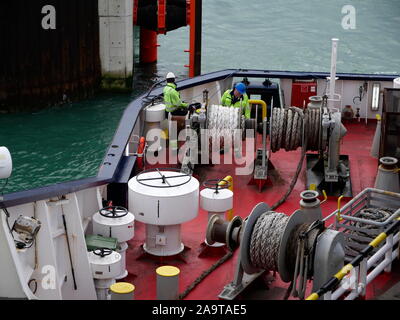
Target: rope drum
220 118
266 241
288 124
222 121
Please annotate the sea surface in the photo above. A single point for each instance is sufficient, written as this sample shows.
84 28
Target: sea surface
68 142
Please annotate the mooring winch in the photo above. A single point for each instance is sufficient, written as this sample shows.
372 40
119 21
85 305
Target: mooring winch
298 247
213 128
318 128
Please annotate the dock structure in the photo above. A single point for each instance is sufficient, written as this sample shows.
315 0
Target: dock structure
116 43
49 53
57 52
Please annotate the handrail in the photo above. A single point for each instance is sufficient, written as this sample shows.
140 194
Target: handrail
111 164
337 278
263 104
339 217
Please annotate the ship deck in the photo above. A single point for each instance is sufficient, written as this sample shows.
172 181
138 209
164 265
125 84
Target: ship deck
142 274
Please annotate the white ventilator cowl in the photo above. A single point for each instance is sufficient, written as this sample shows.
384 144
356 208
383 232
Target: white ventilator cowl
170 75
396 83
5 163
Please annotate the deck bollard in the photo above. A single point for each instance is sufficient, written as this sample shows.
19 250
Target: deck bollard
122 291
167 283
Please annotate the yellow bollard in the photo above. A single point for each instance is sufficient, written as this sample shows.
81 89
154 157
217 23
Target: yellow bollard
122 291
167 283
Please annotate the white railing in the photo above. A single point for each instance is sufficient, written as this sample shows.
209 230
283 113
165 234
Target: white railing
356 283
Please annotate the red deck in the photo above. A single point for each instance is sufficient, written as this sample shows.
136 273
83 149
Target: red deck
356 144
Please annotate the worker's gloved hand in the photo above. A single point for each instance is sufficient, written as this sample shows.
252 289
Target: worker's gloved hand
194 106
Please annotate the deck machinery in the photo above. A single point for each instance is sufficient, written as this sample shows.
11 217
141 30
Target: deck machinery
298 247
317 128
303 247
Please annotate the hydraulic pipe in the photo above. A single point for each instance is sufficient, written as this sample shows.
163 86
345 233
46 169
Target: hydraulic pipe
228 179
263 104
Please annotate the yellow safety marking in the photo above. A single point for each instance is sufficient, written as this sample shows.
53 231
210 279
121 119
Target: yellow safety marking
122 288
229 215
390 193
378 117
263 104
168 271
164 134
339 217
345 270
378 240
313 296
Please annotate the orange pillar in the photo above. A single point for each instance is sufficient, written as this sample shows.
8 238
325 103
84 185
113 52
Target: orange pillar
195 22
148 46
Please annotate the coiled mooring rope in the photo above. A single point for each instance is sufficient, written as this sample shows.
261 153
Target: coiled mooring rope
287 129
268 229
222 121
266 240
372 214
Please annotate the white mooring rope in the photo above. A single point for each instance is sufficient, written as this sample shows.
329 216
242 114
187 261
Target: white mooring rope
265 240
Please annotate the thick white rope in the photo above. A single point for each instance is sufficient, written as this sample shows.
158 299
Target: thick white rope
265 240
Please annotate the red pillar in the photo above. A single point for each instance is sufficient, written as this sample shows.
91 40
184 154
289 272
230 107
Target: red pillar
148 46
195 22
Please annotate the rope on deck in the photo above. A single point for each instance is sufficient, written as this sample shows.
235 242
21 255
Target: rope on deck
365 230
206 273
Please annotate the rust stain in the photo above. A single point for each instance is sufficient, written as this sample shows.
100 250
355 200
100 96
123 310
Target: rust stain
41 67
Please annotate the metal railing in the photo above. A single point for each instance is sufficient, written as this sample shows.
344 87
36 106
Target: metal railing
363 269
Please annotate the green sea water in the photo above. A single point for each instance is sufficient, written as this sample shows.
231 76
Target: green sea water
68 142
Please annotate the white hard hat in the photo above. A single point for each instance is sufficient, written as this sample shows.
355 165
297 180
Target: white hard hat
170 75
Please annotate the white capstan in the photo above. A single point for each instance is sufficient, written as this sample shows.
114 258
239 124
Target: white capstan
5 163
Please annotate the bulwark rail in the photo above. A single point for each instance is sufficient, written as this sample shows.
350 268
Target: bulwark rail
112 166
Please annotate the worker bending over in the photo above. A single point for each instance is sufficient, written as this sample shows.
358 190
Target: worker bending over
237 98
